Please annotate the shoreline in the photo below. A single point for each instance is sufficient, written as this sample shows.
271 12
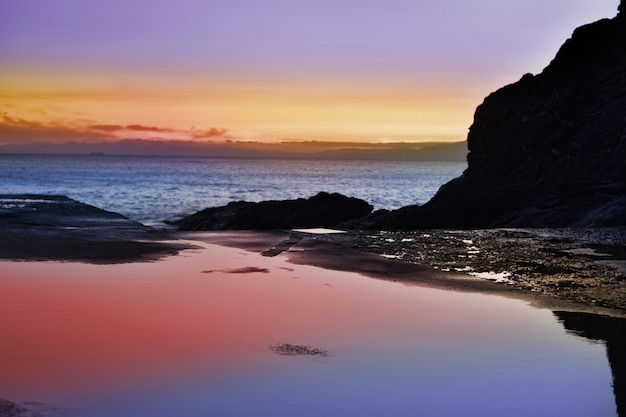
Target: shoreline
362 252
575 269
562 269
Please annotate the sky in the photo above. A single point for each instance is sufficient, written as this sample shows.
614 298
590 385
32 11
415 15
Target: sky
268 71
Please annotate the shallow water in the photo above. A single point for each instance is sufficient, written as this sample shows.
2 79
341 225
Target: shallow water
190 335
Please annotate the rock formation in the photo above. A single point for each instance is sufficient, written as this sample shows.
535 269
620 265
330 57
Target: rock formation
321 210
546 151
53 227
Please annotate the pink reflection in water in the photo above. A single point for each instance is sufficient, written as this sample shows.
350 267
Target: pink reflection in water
192 333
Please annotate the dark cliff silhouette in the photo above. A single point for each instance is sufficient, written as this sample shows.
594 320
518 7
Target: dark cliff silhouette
546 151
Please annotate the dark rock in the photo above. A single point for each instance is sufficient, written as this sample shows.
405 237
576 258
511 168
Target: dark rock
10 409
546 151
289 349
321 210
52 227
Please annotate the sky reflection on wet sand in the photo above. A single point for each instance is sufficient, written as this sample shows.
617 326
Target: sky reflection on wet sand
187 336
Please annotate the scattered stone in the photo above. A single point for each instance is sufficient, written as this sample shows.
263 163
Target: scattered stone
549 261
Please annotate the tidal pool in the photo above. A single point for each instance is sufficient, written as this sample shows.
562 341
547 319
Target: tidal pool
192 335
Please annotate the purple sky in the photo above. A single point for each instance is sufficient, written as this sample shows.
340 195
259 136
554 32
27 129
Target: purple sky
451 53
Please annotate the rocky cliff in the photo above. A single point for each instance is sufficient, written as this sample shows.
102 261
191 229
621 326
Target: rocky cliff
546 151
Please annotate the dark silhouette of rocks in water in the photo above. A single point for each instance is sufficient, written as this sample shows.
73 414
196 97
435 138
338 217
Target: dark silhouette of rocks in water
546 151
321 210
610 330
10 409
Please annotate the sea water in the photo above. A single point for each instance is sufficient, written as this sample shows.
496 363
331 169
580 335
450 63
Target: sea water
150 189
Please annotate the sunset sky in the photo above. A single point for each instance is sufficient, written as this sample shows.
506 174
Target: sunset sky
272 70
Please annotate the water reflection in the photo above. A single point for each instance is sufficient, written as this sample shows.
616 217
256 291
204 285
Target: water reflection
192 336
611 331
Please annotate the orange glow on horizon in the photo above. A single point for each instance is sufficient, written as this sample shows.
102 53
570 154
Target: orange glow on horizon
258 108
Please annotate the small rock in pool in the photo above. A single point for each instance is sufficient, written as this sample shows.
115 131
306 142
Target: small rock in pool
293 350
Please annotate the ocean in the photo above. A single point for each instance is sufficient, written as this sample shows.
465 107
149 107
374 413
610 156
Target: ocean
150 189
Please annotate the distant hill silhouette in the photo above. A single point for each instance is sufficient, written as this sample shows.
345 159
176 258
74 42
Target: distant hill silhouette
546 151
403 151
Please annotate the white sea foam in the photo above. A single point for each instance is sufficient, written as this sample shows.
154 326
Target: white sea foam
499 277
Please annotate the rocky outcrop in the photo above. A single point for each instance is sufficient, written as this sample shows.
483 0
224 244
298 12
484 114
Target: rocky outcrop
321 210
53 227
546 151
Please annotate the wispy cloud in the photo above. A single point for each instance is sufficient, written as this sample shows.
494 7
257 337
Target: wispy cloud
106 128
15 131
132 128
211 133
140 128
19 131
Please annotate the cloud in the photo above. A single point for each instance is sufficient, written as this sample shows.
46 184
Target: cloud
140 128
15 131
211 133
106 128
133 128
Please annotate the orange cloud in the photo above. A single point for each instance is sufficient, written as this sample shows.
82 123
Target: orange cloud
140 128
211 133
15 131
106 128
134 128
